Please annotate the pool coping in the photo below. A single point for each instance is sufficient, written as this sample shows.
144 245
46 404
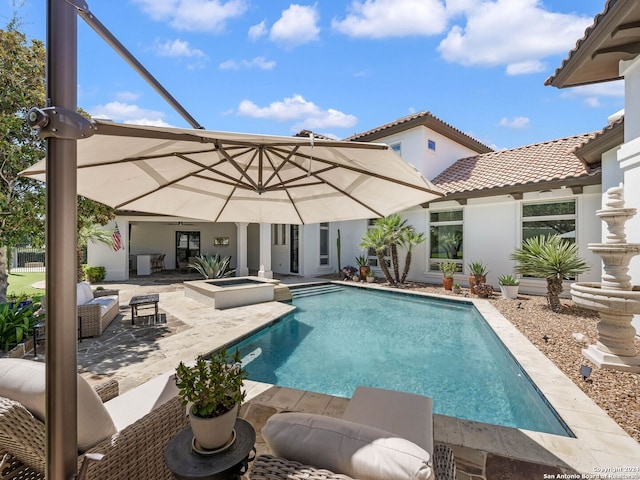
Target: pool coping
600 444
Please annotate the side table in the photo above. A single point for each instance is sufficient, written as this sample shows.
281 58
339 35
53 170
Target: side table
229 464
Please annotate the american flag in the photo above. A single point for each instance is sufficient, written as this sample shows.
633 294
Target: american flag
117 239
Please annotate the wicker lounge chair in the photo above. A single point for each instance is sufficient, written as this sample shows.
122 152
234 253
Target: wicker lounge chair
393 427
134 451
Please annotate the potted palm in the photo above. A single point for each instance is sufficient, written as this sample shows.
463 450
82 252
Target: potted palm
509 286
212 392
448 269
477 274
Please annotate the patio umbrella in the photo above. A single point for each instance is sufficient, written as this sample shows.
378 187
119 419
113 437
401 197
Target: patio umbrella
226 177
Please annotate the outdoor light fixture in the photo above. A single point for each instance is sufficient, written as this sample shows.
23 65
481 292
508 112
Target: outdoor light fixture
519 305
585 371
546 338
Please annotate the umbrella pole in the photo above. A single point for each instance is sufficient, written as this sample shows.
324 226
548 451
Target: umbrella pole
61 230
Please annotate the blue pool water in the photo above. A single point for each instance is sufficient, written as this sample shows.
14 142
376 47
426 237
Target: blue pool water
336 341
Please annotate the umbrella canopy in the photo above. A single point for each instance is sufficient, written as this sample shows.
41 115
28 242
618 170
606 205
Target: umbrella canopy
226 177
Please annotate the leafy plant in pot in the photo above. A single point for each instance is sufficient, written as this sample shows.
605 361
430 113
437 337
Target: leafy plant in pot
509 286
212 391
477 274
447 269
363 266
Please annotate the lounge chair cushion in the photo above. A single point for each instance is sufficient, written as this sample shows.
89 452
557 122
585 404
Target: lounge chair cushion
345 447
24 381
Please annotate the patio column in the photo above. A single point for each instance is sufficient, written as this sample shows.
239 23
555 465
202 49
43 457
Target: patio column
265 251
241 249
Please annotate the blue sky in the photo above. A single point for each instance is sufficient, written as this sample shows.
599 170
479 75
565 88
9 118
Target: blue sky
339 68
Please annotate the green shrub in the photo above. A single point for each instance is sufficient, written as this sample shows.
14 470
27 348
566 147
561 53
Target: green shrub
16 322
94 274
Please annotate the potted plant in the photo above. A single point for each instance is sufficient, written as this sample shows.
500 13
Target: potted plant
456 288
509 286
363 265
371 276
348 272
212 390
477 274
448 269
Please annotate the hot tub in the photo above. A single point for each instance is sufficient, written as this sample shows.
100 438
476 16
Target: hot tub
232 292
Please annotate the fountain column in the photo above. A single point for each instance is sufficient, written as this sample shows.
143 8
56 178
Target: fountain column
615 299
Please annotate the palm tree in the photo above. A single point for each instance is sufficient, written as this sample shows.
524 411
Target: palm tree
410 239
393 228
550 257
376 239
90 232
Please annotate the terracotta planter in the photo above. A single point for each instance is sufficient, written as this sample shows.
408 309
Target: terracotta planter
447 283
364 270
212 433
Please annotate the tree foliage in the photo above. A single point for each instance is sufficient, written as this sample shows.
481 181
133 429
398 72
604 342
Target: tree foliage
22 200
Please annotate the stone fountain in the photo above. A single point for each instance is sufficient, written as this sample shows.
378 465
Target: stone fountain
614 298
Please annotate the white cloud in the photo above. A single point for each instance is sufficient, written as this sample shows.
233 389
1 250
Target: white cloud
194 15
256 62
392 18
127 96
297 25
258 30
127 113
516 33
516 123
523 68
307 114
591 95
176 48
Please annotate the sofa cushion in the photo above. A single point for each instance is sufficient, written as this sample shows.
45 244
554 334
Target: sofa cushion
24 381
345 447
105 302
84 293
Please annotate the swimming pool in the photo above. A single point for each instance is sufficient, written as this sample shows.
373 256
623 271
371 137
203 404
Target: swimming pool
443 349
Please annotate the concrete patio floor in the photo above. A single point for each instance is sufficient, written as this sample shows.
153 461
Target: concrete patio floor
133 354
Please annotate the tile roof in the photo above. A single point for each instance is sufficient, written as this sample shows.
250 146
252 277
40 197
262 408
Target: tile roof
516 169
590 151
612 37
424 118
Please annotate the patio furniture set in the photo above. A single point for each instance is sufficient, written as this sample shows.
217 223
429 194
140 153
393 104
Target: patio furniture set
144 434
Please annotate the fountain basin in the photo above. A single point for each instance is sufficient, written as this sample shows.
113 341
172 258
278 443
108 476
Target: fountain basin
591 295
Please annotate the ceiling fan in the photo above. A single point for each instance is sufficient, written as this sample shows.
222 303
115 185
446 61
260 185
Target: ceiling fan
182 224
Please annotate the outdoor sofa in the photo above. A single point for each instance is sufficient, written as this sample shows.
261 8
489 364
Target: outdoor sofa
96 309
382 435
131 430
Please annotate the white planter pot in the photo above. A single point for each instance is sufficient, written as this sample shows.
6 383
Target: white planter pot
212 433
509 291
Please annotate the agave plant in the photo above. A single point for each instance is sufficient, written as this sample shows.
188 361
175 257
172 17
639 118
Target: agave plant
213 266
550 257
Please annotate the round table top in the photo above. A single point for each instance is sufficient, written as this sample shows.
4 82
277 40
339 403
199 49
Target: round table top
185 463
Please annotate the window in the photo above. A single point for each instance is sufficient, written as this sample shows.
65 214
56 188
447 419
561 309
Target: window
324 244
396 148
371 253
431 145
445 238
278 234
549 219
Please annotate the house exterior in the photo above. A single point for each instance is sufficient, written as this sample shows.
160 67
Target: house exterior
492 201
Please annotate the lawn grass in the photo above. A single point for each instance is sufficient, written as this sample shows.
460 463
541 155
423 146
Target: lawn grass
20 283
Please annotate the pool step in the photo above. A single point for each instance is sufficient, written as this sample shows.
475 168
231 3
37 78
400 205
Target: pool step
317 289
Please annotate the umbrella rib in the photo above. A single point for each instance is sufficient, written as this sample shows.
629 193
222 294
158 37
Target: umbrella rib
235 165
238 183
277 169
